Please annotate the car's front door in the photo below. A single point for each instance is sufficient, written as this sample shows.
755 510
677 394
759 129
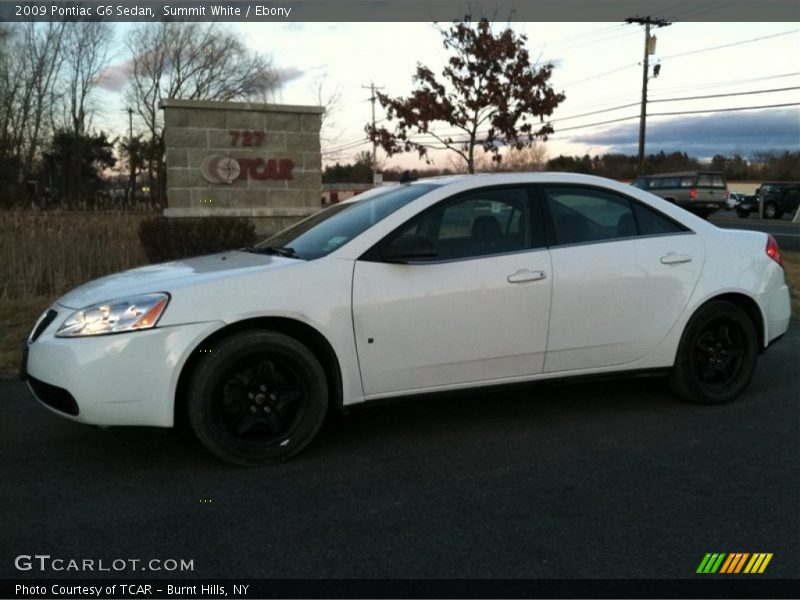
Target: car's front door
623 274
477 311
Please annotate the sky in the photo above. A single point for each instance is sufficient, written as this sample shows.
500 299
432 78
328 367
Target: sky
597 66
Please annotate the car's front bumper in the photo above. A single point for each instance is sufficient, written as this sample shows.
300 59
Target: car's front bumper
119 379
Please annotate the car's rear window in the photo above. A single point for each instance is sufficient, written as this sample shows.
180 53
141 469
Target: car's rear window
710 180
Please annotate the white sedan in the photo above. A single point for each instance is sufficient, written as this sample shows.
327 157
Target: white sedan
435 285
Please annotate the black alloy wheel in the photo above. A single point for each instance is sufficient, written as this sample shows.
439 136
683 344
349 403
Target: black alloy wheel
719 353
716 356
257 397
260 398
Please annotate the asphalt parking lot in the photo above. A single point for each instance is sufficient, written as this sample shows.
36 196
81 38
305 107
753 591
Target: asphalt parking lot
591 480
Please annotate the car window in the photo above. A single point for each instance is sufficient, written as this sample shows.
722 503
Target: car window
582 215
652 222
329 229
710 180
482 223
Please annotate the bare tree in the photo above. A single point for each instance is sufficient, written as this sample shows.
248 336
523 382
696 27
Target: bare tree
29 70
331 101
193 61
85 56
527 158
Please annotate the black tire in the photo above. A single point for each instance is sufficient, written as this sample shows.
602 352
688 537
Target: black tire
716 356
742 214
257 398
771 211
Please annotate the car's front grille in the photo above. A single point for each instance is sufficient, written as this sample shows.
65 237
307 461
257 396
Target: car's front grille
54 397
43 324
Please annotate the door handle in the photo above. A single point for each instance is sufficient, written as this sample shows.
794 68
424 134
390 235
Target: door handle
524 275
673 258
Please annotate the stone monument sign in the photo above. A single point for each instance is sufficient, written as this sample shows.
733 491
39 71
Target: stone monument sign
260 161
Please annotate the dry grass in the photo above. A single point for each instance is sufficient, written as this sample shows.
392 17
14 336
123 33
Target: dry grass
16 321
791 265
47 253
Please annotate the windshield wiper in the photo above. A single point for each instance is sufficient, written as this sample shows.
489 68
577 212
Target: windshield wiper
287 252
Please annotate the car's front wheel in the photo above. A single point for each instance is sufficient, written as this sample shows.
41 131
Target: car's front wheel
257 398
716 356
741 213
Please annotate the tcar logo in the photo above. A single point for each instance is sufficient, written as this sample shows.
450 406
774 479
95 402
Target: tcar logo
217 168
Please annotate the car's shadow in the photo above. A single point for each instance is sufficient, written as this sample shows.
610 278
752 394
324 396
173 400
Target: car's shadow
402 425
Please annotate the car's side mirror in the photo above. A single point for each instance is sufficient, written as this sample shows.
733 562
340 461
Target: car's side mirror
409 247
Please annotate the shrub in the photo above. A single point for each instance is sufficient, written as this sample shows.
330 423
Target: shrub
166 239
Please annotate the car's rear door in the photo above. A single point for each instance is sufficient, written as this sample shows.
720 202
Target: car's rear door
622 275
478 311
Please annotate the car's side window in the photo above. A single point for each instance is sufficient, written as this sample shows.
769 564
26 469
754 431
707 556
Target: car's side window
482 223
651 222
581 215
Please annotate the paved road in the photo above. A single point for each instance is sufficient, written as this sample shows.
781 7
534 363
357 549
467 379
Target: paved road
785 232
591 480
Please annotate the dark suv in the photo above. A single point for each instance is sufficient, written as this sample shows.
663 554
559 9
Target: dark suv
779 197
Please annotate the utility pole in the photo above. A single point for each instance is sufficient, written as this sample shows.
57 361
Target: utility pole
649 48
371 87
131 158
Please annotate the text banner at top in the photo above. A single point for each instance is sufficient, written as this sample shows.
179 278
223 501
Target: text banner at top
396 10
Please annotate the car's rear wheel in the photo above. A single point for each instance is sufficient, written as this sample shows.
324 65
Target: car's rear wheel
716 356
257 398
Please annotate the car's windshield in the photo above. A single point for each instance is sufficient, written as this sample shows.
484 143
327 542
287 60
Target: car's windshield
327 230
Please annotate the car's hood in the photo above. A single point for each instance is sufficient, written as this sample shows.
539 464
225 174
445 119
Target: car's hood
166 277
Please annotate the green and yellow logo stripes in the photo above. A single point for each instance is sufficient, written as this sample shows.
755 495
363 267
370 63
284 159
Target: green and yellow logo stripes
734 562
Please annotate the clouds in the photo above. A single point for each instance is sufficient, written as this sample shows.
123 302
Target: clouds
704 136
287 74
114 77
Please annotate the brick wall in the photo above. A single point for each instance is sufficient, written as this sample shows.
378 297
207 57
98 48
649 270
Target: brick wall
201 138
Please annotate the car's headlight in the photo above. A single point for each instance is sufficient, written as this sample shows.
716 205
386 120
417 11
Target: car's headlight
115 316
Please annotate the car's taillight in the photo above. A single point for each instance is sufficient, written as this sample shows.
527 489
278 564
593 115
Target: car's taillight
693 194
773 251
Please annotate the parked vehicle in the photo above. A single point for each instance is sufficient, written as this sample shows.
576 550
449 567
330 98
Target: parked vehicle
747 206
432 286
700 192
779 198
734 198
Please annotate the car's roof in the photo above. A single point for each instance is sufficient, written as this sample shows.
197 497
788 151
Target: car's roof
685 173
515 177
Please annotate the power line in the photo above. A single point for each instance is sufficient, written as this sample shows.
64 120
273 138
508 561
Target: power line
730 82
751 92
698 51
694 112
664 114
701 10
606 101
688 112
739 43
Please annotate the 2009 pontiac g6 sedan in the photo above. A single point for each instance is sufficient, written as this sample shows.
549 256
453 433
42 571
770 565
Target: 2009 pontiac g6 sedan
435 285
